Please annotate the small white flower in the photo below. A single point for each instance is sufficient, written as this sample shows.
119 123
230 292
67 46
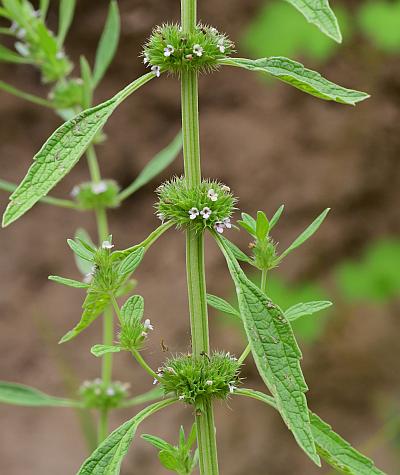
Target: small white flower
221 45
22 48
110 392
212 195
97 381
198 50
219 227
99 187
213 30
161 217
144 334
21 33
193 213
75 191
206 212
227 223
168 50
155 381
60 55
107 245
156 71
232 388
88 278
209 382
146 59
181 398
147 324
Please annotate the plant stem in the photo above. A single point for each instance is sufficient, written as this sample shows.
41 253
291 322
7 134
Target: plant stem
206 438
139 358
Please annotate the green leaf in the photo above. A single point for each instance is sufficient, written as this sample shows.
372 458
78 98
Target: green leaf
131 262
108 43
84 266
87 82
297 75
336 451
100 350
94 305
66 14
320 14
247 227
62 151
307 308
133 309
80 250
69 282
159 163
222 305
156 442
275 218
249 220
239 255
275 351
262 226
305 235
8 56
169 461
43 7
21 395
107 458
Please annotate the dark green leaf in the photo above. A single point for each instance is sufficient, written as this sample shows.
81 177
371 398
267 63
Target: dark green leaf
69 282
222 305
133 309
21 395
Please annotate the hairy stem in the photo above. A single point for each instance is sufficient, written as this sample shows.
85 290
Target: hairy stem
206 438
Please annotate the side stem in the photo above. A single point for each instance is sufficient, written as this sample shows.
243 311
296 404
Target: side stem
206 437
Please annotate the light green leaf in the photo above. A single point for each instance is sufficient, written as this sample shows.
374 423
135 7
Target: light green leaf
94 305
80 250
87 83
107 458
62 151
297 75
262 226
131 262
21 395
246 226
66 14
275 218
320 14
169 461
108 43
275 351
69 282
336 451
305 235
133 309
156 442
8 56
84 266
222 305
155 166
43 7
307 308
249 220
100 350
239 255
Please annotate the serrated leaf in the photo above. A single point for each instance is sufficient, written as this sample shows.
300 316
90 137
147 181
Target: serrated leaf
275 218
95 303
107 458
295 74
8 56
275 351
306 234
80 250
133 309
161 161
62 151
66 14
156 442
320 14
222 305
262 226
108 43
69 282
307 308
131 262
100 350
21 395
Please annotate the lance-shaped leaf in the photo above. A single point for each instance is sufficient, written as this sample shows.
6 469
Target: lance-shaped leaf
66 14
69 282
62 151
320 14
222 305
307 308
297 75
275 351
275 218
100 350
336 451
131 262
107 458
95 303
21 395
8 56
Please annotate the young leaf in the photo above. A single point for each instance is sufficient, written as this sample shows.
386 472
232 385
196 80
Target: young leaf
249 220
80 250
62 151
222 305
275 351
87 83
84 266
169 460
66 14
320 14
133 309
305 234
94 305
297 75
157 442
131 262
100 350
43 7
307 308
155 166
108 43
8 56
69 282
247 227
239 255
21 395
262 226
275 218
107 458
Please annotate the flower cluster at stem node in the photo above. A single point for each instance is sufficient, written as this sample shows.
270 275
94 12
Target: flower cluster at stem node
96 395
91 195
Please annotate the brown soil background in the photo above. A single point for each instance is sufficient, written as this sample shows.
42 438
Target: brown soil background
272 145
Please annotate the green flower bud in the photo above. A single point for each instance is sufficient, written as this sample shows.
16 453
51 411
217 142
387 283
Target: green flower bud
91 195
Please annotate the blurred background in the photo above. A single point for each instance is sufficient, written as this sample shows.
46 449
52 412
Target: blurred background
272 145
